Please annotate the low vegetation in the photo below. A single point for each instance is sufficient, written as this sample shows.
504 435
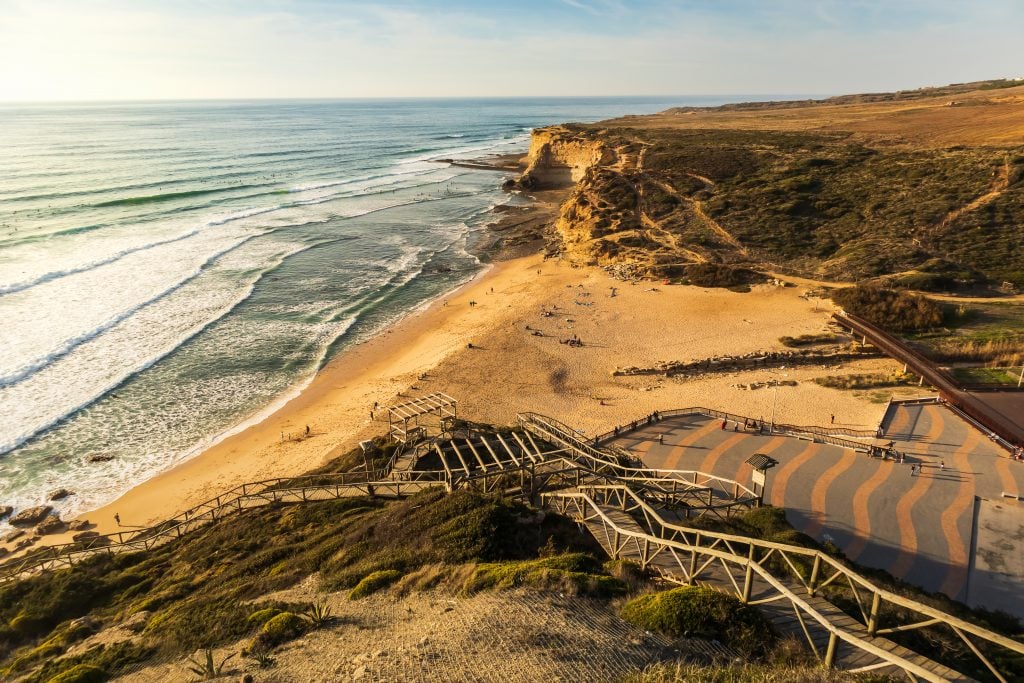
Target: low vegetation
810 340
867 380
207 588
572 574
994 376
830 205
702 612
890 309
720 275
750 673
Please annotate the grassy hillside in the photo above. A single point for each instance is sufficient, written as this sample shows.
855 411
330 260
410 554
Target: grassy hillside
817 203
914 189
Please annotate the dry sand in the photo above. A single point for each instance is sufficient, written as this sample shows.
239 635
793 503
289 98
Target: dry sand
511 370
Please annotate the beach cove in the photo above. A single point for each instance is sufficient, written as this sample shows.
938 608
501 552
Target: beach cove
512 369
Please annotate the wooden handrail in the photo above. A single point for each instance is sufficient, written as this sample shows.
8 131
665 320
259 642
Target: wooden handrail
818 556
746 563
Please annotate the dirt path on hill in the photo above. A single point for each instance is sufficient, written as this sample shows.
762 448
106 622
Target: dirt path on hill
999 186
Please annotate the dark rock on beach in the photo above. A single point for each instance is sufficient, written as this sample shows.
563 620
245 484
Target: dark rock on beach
78 525
99 457
60 494
51 525
12 535
31 516
85 535
5 510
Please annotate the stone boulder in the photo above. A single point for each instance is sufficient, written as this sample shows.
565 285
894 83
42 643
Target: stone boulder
60 494
12 535
136 622
51 525
79 525
4 551
85 535
99 457
31 516
25 542
5 510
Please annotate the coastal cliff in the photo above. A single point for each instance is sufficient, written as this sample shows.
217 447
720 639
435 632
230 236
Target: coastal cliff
559 156
713 198
599 220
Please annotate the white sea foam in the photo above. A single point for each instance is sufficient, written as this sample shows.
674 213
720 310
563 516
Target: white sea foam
80 376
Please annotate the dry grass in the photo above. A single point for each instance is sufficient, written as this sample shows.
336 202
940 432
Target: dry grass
992 352
746 673
981 117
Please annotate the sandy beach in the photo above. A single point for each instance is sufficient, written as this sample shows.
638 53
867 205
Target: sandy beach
512 369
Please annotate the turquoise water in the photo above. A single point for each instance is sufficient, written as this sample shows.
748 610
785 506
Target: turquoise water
169 271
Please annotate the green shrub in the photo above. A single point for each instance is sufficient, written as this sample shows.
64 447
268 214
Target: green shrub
282 628
703 612
81 673
809 340
719 275
261 617
108 660
889 309
575 573
372 583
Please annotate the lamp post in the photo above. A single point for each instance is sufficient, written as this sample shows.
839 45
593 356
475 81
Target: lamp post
775 396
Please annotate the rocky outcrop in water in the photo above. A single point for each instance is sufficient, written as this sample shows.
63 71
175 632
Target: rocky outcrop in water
31 516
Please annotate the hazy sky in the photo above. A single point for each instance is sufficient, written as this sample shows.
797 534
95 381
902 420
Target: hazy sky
146 49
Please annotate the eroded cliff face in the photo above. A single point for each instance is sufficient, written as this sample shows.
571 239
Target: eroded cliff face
559 156
600 222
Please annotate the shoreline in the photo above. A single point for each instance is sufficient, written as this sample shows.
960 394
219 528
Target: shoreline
511 369
364 369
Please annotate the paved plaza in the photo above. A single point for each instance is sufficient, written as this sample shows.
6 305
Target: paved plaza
916 527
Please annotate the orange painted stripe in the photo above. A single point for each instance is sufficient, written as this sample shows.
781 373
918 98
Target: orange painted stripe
1006 478
861 516
820 491
641 448
679 448
957 573
900 421
711 459
904 520
781 480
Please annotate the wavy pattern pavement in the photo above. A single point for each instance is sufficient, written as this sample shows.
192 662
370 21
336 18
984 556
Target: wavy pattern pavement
916 527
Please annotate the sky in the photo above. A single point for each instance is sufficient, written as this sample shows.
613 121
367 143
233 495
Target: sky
75 50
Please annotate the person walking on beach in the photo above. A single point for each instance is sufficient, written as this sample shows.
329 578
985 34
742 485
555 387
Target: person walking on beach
117 518
724 423
307 430
661 439
833 419
913 470
942 464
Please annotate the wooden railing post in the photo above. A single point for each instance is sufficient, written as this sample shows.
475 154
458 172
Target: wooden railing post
830 652
815 570
748 579
876 602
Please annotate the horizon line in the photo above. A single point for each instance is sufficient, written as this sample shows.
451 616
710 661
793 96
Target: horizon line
393 98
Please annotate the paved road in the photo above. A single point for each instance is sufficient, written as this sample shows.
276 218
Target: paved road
918 528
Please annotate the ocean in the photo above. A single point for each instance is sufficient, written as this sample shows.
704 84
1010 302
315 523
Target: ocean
172 271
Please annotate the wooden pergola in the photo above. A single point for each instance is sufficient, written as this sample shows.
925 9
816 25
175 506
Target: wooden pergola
404 419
